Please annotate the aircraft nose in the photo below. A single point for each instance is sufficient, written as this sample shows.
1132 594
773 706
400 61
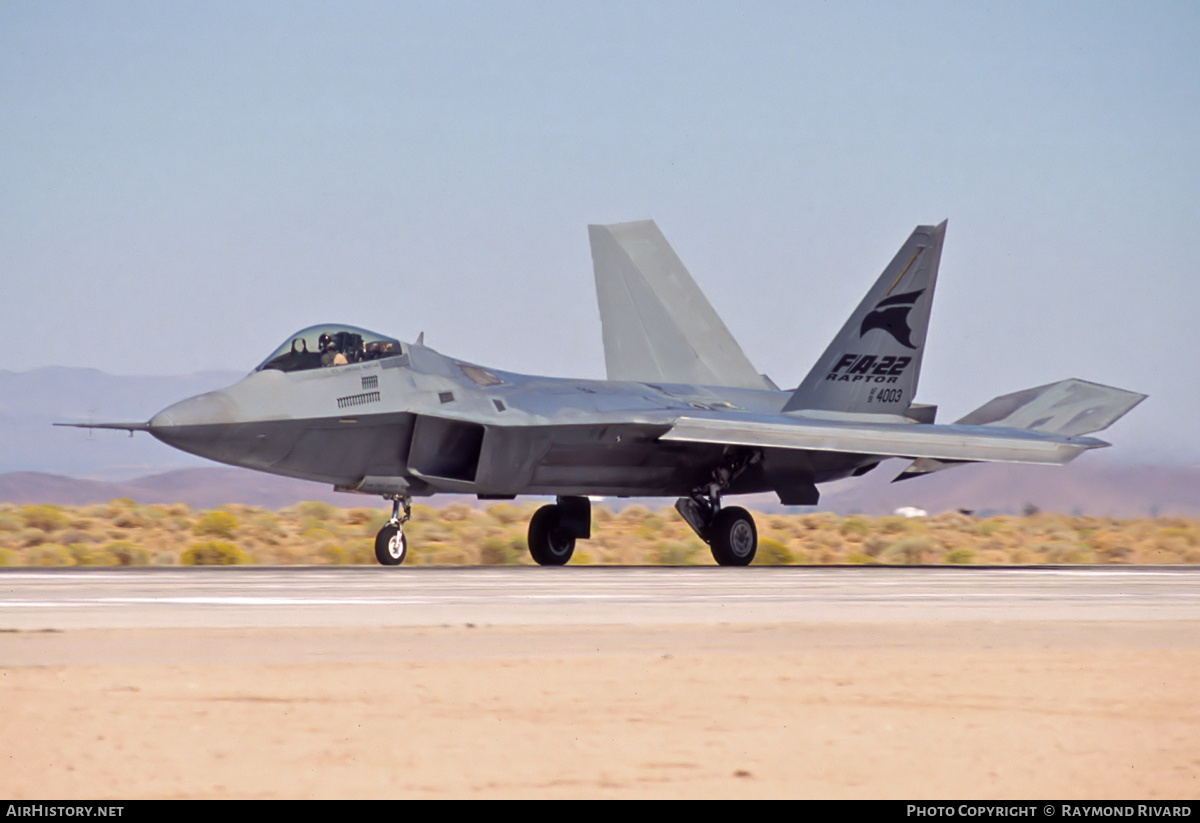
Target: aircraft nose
212 408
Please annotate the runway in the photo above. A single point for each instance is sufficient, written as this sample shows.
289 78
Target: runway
534 596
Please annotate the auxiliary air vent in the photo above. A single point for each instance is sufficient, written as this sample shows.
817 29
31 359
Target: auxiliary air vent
353 400
446 396
371 382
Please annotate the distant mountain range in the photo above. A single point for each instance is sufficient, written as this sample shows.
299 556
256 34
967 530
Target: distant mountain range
40 463
1081 488
30 402
201 488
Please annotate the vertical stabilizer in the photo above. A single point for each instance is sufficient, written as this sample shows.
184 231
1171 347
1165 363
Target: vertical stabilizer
873 363
657 324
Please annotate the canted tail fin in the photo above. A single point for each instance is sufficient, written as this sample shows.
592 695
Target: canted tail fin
873 363
657 324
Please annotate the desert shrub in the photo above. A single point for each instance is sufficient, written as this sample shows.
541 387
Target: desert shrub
357 517
854 527
985 528
495 551
894 525
961 556
44 518
674 554
1062 552
773 553
1110 544
908 551
130 519
49 554
77 536
214 553
32 537
456 512
334 555
316 534
813 522
82 555
126 553
633 514
265 527
317 510
505 514
361 553
874 545
429 531
216 524
651 527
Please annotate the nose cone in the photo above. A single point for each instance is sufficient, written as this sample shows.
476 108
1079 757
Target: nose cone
196 425
213 408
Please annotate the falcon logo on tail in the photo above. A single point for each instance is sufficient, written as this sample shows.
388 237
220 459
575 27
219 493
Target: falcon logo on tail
891 315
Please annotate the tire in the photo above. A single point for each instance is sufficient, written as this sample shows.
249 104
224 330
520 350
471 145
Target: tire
549 543
734 539
390 545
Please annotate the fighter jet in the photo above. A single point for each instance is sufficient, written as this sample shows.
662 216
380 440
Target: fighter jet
682 414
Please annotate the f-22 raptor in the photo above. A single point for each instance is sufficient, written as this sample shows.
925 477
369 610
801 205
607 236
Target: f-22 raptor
682 414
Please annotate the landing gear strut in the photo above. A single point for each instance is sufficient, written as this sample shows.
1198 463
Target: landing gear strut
390 545
729 532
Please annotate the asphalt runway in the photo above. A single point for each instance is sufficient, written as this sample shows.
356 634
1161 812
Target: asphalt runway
33 600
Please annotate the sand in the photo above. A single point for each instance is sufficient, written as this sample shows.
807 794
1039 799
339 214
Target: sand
932 710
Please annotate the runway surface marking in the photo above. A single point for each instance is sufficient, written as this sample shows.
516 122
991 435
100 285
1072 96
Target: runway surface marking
532 596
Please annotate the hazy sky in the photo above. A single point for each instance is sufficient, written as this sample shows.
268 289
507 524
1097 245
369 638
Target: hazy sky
184 184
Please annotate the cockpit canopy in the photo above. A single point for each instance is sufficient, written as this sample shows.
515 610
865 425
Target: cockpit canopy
330 344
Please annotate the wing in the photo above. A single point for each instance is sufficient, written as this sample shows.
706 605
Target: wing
658 326
915 440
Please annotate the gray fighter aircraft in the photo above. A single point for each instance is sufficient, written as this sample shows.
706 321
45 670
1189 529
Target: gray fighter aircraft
683 413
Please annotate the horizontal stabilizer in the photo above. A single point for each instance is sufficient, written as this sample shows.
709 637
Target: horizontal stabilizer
1068 407
658 326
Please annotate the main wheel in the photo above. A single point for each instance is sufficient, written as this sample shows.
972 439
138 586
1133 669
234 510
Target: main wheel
390 545
549 543
733 538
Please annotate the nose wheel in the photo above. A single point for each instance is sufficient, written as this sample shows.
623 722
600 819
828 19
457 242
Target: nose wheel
390 545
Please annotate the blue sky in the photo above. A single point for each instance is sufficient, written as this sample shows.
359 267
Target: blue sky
183 184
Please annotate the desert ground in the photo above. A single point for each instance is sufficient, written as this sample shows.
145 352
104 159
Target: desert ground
931 709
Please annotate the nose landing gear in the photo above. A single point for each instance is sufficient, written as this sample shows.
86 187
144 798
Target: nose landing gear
390 545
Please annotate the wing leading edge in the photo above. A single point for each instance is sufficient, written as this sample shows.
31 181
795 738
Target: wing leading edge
914 440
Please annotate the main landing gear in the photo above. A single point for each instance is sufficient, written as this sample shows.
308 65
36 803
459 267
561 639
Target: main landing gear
390 545
553 530
729 532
